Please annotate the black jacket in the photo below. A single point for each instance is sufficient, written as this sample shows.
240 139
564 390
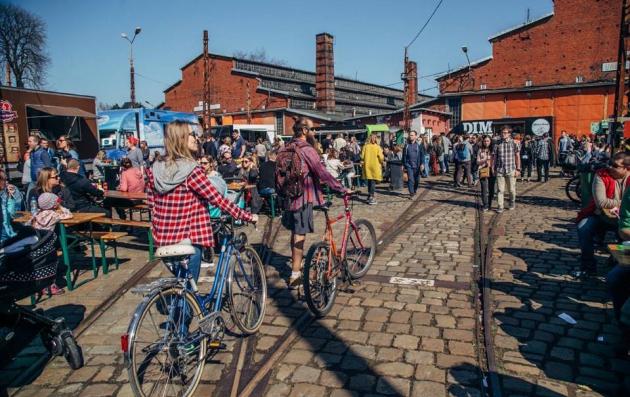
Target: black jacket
267 175
61 191
83 193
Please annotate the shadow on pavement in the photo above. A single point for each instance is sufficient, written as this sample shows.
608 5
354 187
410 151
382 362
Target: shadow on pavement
330 352
26 348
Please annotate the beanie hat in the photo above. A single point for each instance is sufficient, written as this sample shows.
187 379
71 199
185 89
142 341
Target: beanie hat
47 201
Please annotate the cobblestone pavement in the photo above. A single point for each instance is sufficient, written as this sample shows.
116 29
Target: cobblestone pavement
409 328
534 254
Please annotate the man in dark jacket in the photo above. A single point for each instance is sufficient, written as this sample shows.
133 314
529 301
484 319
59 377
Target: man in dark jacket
83 192
413 161
40 158
210 147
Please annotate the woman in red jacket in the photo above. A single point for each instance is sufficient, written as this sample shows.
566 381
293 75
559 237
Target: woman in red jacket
178 194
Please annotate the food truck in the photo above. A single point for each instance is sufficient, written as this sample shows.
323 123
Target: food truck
114 126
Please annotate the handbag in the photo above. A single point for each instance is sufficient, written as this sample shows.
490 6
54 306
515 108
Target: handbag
484 172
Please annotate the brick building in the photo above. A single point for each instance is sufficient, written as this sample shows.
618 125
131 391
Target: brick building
554 73
248 92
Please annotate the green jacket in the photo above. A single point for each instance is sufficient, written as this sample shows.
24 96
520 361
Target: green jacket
624 211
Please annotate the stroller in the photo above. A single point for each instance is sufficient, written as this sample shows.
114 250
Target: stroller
28 263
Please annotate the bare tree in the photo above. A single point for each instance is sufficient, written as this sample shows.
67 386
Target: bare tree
259 55
22 45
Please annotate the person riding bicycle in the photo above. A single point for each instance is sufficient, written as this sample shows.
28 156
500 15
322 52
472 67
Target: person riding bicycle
299 215
178 193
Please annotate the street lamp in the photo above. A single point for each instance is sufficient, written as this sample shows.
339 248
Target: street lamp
132 84
465 51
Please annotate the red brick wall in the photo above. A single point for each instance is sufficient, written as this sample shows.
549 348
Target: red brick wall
226 88
576 40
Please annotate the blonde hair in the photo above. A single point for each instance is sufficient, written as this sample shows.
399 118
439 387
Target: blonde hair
374 139
100 155
176 142
43 177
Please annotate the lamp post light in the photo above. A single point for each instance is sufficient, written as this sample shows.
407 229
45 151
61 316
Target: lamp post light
465 51
132 84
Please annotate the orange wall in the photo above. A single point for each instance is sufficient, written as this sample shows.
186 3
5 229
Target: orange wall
573 109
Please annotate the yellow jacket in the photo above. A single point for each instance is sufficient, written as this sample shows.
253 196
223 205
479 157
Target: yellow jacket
372 157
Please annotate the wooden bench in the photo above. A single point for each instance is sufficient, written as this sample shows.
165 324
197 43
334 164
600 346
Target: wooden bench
105 239
130 223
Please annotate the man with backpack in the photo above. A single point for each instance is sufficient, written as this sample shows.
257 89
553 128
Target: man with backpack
299 173
413 161
464 152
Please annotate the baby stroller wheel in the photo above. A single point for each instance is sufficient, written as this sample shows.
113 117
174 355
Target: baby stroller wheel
72 351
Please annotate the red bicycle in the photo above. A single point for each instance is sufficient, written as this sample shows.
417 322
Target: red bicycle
325 265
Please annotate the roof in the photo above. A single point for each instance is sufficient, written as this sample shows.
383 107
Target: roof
66 111
464 67
7 87
530 89
525 25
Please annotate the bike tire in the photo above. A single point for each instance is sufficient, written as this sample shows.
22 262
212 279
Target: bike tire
144 312
319 291
356 269
72 351
573 189
238 284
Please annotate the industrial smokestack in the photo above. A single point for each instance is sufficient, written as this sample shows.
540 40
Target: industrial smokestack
324 73
411 70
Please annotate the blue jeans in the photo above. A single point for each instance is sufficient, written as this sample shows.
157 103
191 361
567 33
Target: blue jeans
444 162
425 173
413 179
194 263
587 229
618 280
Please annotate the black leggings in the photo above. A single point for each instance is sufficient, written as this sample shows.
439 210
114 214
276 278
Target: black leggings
371 186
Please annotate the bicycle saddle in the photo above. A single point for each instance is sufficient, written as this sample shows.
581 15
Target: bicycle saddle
183 248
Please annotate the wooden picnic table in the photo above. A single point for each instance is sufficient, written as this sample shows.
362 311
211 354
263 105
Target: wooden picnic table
621 253
117 194
78 218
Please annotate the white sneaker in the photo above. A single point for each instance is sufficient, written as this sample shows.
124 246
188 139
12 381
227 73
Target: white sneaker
207 264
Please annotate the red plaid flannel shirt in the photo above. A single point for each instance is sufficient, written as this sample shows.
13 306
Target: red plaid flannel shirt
183 212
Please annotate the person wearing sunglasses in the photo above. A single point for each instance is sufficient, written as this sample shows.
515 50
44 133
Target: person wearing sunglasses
249 174
600 215
209 165
10 201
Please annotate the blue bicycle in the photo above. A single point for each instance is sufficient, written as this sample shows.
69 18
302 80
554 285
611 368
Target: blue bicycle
175 329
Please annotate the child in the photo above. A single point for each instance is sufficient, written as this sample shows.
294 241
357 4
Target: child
50 212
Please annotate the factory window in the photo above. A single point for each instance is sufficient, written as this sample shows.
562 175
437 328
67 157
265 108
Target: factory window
528 83
579 79
455 107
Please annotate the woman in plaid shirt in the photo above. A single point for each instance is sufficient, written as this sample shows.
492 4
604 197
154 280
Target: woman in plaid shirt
178 194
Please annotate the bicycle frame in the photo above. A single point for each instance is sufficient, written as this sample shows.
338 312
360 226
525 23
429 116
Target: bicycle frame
330 238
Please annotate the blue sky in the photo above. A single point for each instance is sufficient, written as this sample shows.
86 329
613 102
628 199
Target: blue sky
89 56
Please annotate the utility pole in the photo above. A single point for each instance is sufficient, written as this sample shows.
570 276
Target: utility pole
249 106
405 78
206 88
622 89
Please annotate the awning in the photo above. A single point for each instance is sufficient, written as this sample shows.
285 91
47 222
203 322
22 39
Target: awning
62 111
376 128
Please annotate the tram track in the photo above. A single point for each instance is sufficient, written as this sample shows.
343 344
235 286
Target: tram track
485 237
253 380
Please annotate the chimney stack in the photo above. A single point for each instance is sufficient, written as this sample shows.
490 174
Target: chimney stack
411 71
324 73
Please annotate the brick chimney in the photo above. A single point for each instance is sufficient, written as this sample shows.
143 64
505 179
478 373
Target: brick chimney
324 73
411 70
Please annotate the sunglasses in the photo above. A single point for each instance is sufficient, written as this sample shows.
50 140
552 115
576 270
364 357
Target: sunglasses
204 162
61 140
54 177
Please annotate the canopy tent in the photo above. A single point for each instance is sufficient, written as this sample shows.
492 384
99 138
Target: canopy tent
376 128
63 111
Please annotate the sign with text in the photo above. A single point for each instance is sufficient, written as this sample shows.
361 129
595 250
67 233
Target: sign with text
7 114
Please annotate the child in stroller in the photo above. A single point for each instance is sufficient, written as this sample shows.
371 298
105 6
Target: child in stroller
28 263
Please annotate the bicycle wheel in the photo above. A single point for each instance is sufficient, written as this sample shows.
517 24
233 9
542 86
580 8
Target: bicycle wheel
167 349
573 189
320 290
247 289
360 248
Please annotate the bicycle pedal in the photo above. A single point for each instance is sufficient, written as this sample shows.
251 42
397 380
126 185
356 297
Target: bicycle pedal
216 345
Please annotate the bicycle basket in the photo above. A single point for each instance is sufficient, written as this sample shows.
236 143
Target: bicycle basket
29 269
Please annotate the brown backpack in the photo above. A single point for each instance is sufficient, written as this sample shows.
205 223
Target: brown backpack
289 175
